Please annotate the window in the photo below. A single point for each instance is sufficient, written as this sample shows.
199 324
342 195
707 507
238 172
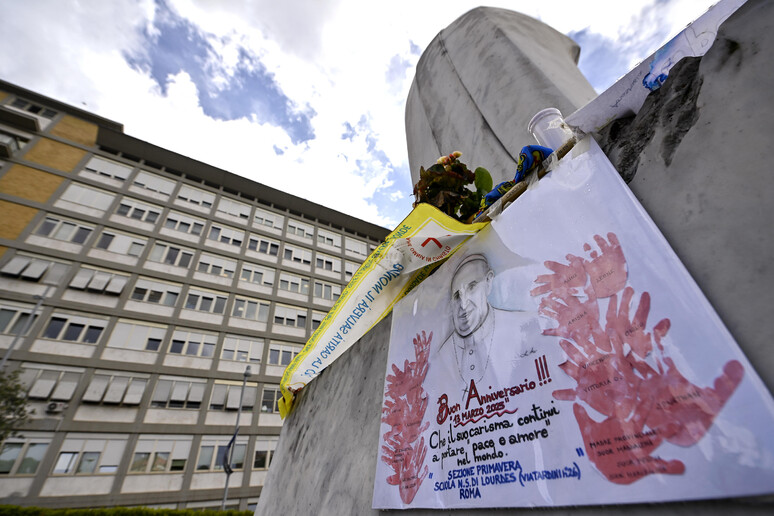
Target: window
242 349
178 393
267 219
327 291
217 266
156 292
264 449
282 354
99 281
270 399
184 223
65 463
293 283
136 335
10 142
328 238
8 455
193 343
110 388
42 114
257 274
204 301
225 396
74 328
121 243
50 383
297 254
105 168
136 210
21 457
263 245
171 254
14 318
357 247
327 263
83 455
317 318
350 269
160 454
65 230
262 459
153 183
226 235
86 197
35 109
212 453
33 268
290 316
205 458
300 229
234 208
196 196
245 308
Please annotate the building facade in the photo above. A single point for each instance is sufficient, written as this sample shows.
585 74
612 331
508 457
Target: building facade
136 286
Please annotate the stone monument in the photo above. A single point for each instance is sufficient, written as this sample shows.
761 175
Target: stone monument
480 81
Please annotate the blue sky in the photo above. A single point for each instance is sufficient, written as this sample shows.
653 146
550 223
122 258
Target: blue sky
307 96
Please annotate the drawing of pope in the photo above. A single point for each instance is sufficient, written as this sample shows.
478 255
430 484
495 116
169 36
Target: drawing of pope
486 343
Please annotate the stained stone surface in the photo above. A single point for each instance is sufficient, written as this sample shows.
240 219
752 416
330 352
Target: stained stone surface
479 83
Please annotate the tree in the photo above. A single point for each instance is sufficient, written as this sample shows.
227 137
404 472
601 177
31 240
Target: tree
13 405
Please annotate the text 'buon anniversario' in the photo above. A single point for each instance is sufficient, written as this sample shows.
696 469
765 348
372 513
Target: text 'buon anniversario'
473 448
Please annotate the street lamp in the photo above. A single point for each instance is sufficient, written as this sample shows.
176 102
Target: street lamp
228 453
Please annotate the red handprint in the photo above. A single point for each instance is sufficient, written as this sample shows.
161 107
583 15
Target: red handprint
630 331
643 404
621 450
602 274
607 269
606 381
404 408
409 462
564 276
686 409
574 317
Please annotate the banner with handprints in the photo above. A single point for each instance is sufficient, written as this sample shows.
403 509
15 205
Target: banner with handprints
564 356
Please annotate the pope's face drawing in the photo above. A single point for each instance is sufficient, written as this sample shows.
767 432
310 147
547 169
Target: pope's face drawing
470 287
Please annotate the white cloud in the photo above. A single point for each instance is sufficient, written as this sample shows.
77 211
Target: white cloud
343 58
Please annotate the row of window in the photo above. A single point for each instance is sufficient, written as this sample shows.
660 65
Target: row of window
105 170
87 454
69 327
70 231
113 388
142 336
147 290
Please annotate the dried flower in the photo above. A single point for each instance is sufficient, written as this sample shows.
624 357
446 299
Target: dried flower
446 185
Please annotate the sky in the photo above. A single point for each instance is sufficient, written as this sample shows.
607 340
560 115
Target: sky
306 96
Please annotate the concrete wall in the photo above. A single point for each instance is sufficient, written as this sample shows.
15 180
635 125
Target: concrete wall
479 83
701 173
